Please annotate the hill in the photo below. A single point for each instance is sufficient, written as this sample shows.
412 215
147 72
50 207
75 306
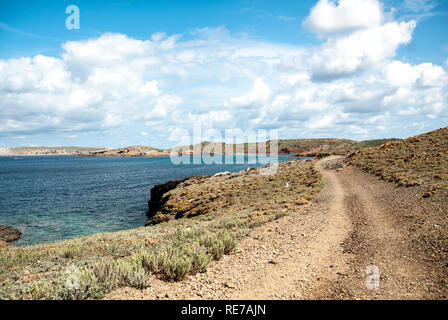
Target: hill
46 150
419 160
328 146
131 151
300 147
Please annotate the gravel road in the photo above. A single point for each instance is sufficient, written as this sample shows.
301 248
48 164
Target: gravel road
362 238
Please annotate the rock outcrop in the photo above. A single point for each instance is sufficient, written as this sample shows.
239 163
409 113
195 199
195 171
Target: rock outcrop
245 191
8 234
157 196
160 195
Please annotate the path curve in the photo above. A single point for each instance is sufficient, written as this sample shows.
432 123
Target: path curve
346 244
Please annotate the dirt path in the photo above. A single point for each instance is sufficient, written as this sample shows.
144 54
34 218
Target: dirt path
321 252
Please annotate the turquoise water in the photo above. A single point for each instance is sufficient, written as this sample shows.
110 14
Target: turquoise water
52 198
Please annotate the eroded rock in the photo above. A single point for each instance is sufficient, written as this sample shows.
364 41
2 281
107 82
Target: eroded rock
8 234
159 194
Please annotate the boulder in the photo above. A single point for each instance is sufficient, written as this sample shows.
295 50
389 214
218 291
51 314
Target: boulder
9 234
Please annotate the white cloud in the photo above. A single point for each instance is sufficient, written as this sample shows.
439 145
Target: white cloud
159 88
360 50
329 17
401 74
259 94
323 122
164 106
359 36
150 88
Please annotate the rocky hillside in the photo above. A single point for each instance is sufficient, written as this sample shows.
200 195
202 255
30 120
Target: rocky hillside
420 160
132 151
300 147
323 147
293 185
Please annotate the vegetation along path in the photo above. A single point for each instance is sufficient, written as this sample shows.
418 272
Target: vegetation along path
359 239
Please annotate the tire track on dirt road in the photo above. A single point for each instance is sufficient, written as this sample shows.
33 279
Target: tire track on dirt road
321 251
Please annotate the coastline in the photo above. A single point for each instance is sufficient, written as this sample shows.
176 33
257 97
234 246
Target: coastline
244 202
301 147
202 219
148 191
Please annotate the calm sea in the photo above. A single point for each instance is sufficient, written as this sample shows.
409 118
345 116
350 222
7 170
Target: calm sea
51 198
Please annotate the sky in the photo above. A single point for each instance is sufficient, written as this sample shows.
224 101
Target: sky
147 72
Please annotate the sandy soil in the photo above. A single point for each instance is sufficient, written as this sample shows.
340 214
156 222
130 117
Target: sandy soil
358 225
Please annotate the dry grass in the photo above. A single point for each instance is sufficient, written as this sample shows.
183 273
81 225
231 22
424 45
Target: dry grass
420 160
294 182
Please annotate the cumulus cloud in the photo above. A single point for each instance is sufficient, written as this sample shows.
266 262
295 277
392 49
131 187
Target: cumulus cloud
401 74
329 17
259 94
360 50
359 35
114 81
160 87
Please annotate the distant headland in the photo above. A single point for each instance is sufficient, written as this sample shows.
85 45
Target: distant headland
299 147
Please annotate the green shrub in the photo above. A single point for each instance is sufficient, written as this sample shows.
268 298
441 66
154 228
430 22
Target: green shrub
71 251
132 274
106 273
19 257
218 244
175 267
200 260
181 256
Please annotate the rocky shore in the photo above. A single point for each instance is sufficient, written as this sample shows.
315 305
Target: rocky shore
199 195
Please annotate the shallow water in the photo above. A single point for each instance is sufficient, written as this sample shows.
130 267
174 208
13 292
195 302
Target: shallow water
52 198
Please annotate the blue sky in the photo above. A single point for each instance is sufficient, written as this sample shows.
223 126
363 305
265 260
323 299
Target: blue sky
144 72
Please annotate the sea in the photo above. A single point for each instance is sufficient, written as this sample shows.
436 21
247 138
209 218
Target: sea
54 198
